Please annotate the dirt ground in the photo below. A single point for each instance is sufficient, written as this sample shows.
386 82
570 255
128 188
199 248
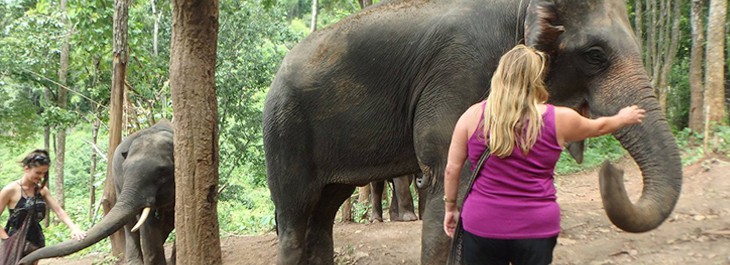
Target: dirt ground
698 231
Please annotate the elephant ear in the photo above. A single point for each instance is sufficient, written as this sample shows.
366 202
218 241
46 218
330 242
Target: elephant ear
542 26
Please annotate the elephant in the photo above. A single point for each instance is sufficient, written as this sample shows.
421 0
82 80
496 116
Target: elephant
401 203
143 171
377 94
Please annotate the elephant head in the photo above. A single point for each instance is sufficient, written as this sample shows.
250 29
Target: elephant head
143 171
596 68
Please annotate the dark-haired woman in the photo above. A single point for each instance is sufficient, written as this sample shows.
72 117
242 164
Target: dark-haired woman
29 194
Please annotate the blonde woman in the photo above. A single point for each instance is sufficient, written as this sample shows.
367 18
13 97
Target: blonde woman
29 194
511 213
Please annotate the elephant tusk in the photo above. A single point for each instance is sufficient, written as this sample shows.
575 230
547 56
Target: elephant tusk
145 213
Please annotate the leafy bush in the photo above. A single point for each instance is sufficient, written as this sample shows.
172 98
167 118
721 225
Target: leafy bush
597 150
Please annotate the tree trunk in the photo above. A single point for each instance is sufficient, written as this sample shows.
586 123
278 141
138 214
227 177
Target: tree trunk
156 28
365 3
92 169
195 108
639 22
47 147
650 36
346 211
61 102
363 199
715 112
669 49
313 23
696 119
120 56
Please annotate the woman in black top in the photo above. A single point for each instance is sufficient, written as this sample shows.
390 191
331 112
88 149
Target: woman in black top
29 195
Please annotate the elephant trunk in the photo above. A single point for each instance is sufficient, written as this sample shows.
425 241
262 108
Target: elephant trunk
113 221
652 146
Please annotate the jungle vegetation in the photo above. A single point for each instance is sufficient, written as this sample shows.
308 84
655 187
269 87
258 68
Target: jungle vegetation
56 60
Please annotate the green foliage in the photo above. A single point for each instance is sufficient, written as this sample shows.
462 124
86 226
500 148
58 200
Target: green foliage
248 57
254 36
721 143
252 213
690 145
361 211
148 70
597 150
678 94
18 120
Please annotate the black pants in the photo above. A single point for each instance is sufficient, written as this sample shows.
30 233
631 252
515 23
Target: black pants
478 250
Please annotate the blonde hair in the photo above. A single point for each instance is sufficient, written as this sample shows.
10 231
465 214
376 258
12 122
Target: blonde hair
511 116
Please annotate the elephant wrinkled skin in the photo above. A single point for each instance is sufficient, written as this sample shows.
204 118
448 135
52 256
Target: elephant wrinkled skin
143 171
376 96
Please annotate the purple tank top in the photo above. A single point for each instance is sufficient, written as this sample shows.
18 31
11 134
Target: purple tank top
514 197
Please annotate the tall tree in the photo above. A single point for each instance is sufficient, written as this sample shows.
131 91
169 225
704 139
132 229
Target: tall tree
669 46
638 20
715 111
697 16
195 108
120 56
364 3
62 102
313 23
92 168
661 20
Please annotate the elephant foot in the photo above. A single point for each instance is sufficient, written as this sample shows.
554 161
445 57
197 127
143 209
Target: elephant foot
378 219
406 217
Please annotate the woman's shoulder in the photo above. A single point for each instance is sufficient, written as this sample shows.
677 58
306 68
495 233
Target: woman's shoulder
9 189
475 108
564 111
12 186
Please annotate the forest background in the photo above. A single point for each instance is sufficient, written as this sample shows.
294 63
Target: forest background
56 77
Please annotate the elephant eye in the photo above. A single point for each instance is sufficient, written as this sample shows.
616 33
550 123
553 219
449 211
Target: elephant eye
595 56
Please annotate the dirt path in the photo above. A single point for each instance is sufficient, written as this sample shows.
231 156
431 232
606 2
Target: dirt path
698 231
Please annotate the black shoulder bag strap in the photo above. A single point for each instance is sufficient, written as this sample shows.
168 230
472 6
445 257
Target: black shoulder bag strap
455 256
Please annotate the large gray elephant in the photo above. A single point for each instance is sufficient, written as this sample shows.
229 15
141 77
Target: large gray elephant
143 171
376 96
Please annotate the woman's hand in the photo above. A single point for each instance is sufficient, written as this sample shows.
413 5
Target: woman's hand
451 217
632 114
77 234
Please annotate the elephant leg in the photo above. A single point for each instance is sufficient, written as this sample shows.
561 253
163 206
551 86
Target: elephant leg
432 137
291 223
167 224
132 248
376 196
152 242
403 199
435 244
320 247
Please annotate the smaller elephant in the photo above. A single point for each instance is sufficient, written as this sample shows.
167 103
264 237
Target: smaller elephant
401 204
143 170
